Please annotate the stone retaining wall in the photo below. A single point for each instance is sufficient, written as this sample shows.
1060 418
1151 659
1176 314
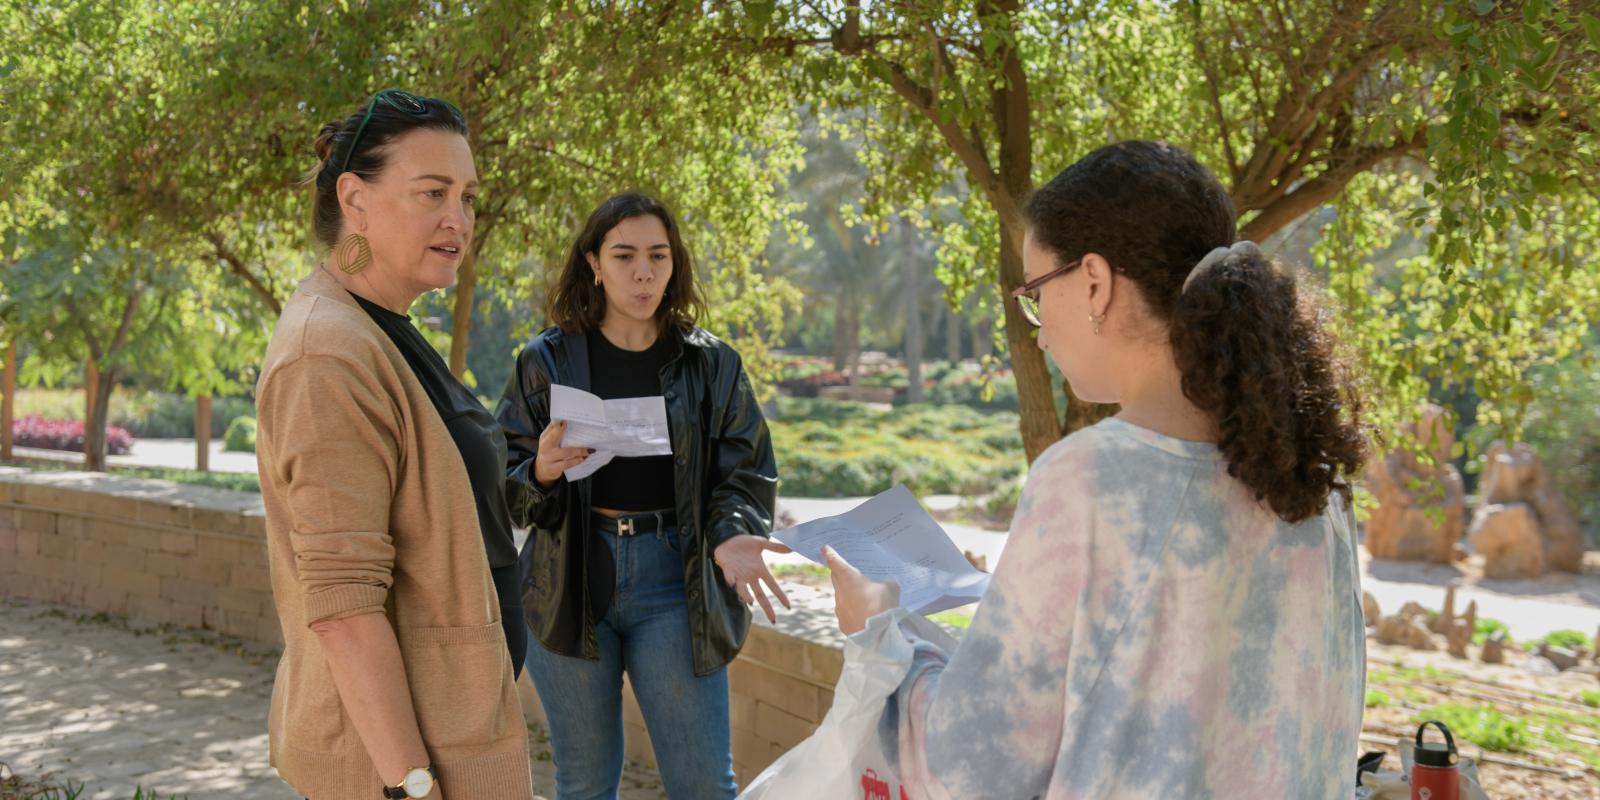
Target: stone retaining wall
196 557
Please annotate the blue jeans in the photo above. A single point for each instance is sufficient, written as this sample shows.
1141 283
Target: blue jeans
646 634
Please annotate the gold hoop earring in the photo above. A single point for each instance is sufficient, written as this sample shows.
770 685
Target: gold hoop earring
353 254
1096 320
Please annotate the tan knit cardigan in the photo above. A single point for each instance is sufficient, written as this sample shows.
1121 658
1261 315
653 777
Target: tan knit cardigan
369 510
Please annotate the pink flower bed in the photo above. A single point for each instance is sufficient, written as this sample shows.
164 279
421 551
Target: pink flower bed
55 434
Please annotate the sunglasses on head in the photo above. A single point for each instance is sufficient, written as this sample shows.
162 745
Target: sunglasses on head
405 103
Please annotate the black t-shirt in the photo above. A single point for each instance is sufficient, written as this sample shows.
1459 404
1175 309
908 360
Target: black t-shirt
630 484
476 432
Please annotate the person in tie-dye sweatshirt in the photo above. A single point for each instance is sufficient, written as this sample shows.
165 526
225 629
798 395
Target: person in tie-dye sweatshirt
1177 613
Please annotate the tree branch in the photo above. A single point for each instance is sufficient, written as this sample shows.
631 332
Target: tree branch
1325 186
124 327
1216 96
237 267
83 325
970 151
550 150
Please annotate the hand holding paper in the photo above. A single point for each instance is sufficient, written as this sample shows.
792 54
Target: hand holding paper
891 538
629 427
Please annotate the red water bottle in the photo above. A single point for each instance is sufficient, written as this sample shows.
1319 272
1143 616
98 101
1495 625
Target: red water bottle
1434 775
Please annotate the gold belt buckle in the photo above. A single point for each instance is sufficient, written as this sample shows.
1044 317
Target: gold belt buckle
625 526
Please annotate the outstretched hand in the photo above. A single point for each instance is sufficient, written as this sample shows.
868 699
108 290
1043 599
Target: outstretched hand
744 567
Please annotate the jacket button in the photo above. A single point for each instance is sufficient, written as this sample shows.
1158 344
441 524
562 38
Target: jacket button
671 395
682 460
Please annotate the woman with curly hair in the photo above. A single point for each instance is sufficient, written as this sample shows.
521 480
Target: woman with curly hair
1177 613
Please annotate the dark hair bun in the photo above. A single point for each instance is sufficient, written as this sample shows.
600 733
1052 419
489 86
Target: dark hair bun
324 141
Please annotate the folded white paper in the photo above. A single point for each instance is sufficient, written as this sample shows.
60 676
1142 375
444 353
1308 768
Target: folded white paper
630 427
891 538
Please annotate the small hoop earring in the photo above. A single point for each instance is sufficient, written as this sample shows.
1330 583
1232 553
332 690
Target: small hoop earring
597 280
1096 320
353 254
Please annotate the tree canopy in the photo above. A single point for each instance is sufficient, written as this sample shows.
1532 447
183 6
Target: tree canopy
1462 131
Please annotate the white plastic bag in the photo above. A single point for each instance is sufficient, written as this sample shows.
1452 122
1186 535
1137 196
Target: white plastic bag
843 758
1397 785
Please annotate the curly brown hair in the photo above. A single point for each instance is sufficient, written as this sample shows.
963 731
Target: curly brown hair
1252 347
576 304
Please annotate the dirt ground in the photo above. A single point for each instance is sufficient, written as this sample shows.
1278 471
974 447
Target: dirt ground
1553 719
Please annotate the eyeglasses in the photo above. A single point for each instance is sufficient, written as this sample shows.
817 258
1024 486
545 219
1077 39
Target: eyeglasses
404 102
1027 295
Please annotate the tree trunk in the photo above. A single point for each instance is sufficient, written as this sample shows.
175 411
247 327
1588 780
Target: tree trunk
913 343
1035 388
952 334
841 334
983 337
97 400
202 432
852 339
8 393
461 315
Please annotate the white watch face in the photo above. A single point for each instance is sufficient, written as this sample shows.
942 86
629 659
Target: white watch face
418 783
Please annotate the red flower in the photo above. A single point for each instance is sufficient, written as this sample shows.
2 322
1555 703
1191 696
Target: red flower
67 435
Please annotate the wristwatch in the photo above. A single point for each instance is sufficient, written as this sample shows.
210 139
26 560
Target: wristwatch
418 782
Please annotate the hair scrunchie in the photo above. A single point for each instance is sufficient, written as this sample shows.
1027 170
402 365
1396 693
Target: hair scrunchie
1243 247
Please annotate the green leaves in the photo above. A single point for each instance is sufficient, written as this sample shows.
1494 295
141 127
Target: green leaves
1591 28
759 13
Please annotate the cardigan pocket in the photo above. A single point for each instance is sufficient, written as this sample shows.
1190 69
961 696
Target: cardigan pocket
309 711
461 686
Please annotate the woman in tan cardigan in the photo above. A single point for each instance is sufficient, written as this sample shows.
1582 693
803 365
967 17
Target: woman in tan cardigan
395 679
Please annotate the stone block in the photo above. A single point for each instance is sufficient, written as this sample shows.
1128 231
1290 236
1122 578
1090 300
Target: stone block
105 531
27 542
207 570
103 598
177 542
140 584
165 565
216 548
217 521
57 546
242 601
793 655
255 526
92 553
164 513
37 521
112 506
72 526
775 689
781 727
187 592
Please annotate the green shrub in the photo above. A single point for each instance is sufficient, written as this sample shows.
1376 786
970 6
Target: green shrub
953 618
1563 425
162 415
1591 698
1484 628
1483 726
837 449
1377 698
959 387
1567 638
240 436
1003 503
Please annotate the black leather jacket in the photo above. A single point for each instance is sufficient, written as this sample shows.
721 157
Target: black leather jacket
725 482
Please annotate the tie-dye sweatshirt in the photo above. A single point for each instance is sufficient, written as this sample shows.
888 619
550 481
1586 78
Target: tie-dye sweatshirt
1151 631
